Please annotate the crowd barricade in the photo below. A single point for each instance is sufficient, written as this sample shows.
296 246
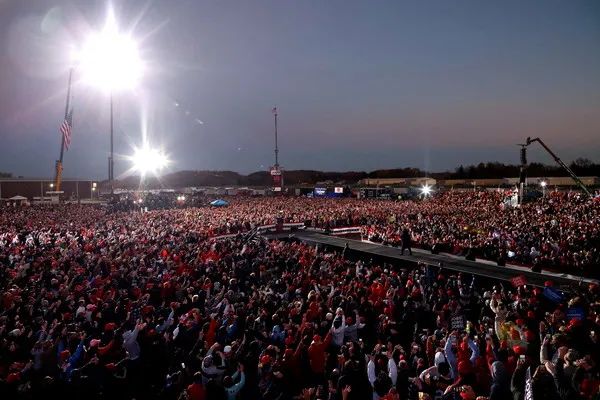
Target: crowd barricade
291 226
338 231
219 237
266 229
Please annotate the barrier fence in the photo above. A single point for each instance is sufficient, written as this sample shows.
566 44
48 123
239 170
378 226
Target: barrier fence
288 227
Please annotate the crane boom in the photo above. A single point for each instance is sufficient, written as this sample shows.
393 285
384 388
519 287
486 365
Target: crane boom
562 164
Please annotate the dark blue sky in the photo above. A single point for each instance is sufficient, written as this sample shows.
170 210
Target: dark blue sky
360 85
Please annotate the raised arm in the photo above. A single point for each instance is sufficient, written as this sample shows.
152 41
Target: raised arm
371 371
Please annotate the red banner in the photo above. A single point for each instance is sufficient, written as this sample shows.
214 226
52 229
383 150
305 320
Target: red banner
277 177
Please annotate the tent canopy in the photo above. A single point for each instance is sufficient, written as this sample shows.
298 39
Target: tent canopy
21 198
219 203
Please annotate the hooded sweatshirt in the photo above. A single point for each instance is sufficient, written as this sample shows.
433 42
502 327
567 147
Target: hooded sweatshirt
500 382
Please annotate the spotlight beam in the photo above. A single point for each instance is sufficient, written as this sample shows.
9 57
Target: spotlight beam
426 190
148 160
110 59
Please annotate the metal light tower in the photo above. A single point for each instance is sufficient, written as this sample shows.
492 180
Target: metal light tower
522 173
111 163
110 60
276 148
276 174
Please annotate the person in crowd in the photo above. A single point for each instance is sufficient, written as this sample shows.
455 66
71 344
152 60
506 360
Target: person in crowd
406 241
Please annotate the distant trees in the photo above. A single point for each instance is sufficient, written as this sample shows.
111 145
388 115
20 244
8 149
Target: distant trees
585 167
581 166
5 174
396 173
488 170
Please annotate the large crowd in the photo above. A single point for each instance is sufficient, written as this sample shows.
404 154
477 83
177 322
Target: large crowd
560 231
99 303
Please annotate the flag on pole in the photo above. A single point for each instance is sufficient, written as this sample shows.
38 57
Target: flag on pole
66 127
275 110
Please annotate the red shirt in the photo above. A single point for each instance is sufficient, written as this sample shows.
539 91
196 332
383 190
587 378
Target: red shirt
316 354
196 391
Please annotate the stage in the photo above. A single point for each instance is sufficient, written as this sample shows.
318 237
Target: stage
479 267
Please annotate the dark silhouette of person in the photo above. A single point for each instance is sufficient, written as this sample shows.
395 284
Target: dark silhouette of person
406 241
345 251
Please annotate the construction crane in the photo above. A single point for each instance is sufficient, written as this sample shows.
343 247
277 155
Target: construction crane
59 162
561 163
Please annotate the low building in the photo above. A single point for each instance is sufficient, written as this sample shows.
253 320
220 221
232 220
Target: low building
557 181
421 181
42 188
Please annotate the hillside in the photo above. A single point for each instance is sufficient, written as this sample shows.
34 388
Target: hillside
178 179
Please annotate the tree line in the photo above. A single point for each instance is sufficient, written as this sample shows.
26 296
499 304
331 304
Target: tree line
488 170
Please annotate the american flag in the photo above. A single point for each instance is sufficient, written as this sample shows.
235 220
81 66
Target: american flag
66 128
275 110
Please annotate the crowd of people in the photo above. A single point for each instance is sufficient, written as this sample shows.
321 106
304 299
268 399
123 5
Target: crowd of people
560 231
99 303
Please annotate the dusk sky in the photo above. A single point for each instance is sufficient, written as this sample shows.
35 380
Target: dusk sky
360 85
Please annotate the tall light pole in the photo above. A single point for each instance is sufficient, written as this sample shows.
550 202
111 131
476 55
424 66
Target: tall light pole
276 148
276 174
111 162
110 61
543 184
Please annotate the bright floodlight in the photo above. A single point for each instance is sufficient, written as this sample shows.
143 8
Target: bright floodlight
110 59
426 190
543 183
147 160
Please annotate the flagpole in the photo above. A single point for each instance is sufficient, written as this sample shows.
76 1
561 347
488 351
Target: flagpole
59 167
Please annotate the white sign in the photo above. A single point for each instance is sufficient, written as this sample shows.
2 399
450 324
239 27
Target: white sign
457 322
